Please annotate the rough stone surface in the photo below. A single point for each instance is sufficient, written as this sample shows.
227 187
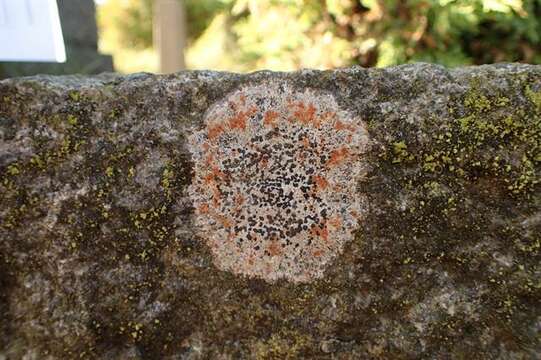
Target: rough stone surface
108 251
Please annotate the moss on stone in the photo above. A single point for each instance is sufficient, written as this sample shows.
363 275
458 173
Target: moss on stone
535 97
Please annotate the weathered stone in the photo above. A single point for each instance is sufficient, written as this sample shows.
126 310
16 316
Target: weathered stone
122 234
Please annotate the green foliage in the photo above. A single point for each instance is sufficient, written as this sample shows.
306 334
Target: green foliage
199 14
133 20
288 34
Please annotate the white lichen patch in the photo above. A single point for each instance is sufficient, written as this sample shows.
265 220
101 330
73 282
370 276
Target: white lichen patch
274 190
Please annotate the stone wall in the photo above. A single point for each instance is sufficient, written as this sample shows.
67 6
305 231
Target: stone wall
384 213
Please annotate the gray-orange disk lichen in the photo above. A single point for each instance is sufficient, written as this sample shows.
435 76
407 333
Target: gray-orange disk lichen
274 190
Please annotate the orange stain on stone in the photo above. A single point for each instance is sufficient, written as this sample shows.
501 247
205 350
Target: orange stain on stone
208 179
225 221
321 231
328 115
215 131
335 222
239 200
209 160
214 174
321 182
203 209
217 173
216 196
305 114
242 98
338 156
270 118
239 121
264 162
317 253
338 125
274 248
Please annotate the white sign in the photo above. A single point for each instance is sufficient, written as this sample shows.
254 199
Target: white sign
30 31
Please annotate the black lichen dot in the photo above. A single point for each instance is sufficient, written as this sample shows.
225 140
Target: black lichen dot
275 178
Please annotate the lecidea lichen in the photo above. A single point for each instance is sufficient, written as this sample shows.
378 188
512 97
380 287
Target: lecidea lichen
276 173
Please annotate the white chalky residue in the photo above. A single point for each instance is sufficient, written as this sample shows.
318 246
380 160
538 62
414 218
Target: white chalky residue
274 189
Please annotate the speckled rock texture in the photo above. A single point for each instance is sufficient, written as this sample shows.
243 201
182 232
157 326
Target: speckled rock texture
275 181
351 214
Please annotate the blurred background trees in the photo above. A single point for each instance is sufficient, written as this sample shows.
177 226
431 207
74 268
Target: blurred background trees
245 35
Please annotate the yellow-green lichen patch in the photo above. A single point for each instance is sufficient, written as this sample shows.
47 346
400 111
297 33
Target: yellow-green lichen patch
287 344
400 151
75 96
478 102
534 97
488 139
13 170
72 120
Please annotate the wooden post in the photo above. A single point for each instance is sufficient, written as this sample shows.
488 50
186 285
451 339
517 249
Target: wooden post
170 34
